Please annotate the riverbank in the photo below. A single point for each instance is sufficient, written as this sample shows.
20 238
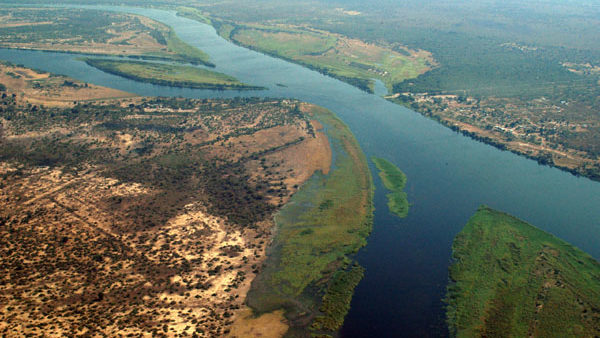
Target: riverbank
576 162
450 175
326 221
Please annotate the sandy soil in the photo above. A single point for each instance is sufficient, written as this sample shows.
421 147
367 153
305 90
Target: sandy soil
75 259
40 88
269 325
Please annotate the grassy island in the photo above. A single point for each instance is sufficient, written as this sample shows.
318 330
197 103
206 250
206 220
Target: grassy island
394 180
511 279
169 75
308 272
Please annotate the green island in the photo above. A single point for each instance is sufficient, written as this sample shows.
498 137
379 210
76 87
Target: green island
169 75
308 272
394 180
350 60
511 279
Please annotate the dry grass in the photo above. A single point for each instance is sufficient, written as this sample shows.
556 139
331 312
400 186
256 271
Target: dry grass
268 325
84 252
41 88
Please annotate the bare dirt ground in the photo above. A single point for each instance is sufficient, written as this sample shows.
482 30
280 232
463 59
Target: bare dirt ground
90 248
40 88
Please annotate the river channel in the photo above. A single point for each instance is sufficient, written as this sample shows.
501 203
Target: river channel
449 176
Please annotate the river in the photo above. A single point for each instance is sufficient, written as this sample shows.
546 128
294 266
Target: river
449 176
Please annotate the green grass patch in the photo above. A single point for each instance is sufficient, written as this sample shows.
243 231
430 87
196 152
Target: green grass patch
352 61
194 14
185 52
394 180
328 219
169 75
511 279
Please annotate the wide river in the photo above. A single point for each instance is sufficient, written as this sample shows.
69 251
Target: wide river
449 176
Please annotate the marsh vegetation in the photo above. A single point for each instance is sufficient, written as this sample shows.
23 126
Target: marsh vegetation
512 279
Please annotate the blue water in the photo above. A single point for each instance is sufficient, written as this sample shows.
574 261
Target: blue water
449 176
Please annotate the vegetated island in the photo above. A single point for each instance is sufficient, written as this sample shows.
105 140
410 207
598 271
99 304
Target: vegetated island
308 272
169 74
510 279
97 32
394 180
140 215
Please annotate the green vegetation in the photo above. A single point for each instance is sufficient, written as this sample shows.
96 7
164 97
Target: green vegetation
336 302
95 32
349 60
194 14
328 219
394 180
169 75
511 279
185 52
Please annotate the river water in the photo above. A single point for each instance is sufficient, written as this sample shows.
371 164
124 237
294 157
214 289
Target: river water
449 176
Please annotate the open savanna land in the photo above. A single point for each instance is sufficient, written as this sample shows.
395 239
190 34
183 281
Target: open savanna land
350 60
308 272
169 74
510 279
394 180
142 216
93 32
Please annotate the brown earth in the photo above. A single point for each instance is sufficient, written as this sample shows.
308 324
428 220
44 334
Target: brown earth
41 88
127 39
105 238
